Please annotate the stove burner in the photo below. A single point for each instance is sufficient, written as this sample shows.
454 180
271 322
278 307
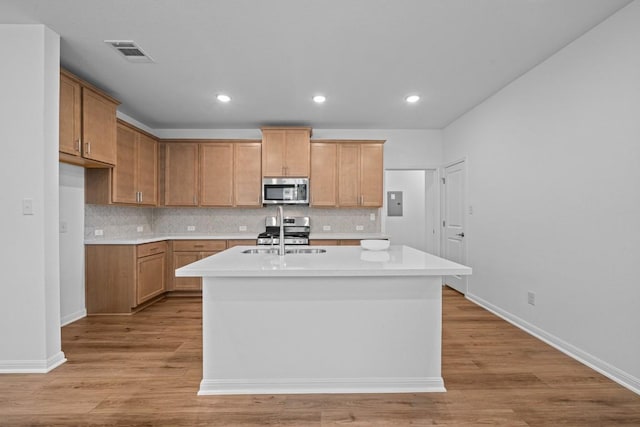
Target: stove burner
296 231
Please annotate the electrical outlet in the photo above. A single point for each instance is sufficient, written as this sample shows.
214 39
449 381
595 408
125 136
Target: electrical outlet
531 298
191 228
243 228
140 228
27 206
326 228
372 217
98 232
359 228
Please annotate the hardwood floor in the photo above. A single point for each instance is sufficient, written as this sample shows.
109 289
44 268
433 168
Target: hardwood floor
145 369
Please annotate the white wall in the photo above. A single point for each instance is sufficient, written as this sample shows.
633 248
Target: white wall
553 178
72 302
29 295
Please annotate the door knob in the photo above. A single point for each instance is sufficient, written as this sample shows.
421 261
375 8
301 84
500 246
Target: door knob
460 234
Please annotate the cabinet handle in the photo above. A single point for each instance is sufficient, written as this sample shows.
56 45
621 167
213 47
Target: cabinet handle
78 145
140 192
87 145
198 246
153 250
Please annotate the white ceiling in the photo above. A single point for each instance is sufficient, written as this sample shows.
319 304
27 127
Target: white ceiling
272 56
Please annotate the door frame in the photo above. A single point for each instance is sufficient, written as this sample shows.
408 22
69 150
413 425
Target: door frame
465 195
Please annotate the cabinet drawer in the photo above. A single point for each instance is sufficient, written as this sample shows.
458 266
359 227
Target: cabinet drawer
151 249
199 245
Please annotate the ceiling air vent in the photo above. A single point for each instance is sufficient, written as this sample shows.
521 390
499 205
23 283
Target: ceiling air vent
130 50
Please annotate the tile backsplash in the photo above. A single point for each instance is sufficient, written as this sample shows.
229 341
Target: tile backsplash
122 221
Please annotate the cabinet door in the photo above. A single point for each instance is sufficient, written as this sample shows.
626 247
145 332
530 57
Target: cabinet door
323 179
181 174
273 148
98 127
180 259
371 175
216 174
147 170
240 242
70 100
150 281
124 173
348 175
297 149
247 174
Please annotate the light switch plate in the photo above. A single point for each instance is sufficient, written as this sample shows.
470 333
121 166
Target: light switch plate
98 232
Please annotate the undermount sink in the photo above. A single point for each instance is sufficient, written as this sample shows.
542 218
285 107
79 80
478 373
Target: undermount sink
287 251
306 251
261 251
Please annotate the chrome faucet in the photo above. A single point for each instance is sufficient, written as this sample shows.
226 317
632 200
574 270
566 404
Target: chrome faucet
280 216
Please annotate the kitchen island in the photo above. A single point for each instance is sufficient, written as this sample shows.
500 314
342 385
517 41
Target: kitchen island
345 320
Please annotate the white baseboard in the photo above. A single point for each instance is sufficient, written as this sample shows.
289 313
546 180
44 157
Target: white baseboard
606 369
321 385
32 366
70 318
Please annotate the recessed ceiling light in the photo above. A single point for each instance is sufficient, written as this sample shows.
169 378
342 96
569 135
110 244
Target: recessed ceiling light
223 98
319 99
412 99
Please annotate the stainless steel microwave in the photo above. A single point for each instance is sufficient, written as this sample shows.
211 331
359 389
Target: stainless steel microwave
285 191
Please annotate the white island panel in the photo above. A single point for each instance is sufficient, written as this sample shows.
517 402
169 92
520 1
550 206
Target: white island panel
346 321
335 335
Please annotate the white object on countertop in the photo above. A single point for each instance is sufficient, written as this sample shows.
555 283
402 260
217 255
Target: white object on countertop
374 245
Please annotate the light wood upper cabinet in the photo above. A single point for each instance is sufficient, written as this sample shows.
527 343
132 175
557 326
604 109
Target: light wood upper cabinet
349 175
346 173
216 174
124 188
181 174
247 175
324 174
285 152
227 173
70 116
147 170
98 127
134 179
360 171
87 124
371 175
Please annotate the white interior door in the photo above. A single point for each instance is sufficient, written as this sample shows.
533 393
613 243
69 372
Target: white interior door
454 222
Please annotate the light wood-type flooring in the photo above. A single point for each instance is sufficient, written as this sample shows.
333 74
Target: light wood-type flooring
145 370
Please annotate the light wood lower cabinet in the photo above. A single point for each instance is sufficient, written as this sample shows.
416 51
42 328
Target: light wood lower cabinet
121 279
186 252
332 242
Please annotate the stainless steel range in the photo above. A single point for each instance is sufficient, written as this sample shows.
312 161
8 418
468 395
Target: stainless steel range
296 231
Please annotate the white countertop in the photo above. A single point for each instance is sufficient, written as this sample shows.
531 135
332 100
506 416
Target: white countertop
337 261
149 238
